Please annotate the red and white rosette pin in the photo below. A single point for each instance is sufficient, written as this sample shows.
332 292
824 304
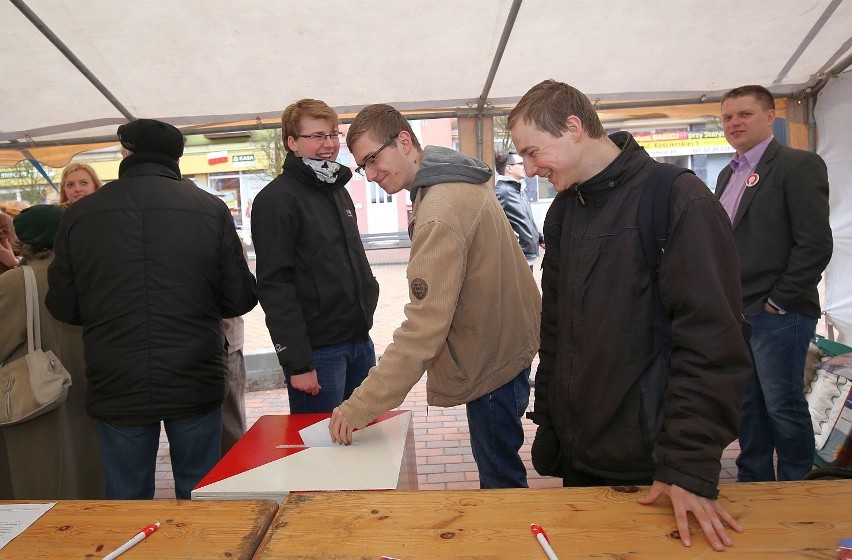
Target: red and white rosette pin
752 180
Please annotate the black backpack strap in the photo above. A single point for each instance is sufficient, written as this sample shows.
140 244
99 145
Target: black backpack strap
654 205
654 210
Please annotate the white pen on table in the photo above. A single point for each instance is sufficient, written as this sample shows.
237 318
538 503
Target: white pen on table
137 538
542 539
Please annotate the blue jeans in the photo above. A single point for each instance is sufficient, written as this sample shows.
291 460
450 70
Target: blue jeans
496 433
129 454
340 370
774 414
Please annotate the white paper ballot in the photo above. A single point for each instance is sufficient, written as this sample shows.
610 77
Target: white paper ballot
316 435
15 518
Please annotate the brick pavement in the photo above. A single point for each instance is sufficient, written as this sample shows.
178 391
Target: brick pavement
444 458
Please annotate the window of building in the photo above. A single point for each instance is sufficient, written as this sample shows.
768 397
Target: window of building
378 194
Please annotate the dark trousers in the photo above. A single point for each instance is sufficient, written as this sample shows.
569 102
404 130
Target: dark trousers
129 454
774 418
496 433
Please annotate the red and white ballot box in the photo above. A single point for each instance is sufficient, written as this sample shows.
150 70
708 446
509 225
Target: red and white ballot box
273 459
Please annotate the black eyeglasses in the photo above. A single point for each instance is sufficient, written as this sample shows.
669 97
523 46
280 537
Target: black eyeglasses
320 137
362 169
516 163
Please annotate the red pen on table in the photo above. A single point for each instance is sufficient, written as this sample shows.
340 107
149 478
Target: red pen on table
137 538
542 539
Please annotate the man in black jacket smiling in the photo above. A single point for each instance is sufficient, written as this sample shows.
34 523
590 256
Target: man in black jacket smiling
149 267
614 404
314 282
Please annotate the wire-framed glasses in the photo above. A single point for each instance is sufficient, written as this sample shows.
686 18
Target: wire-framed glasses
362 169
321 137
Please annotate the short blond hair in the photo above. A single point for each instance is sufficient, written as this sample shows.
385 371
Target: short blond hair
291 118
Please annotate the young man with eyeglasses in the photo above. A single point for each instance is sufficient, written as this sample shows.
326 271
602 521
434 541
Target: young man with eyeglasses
509 188
473 315
313 279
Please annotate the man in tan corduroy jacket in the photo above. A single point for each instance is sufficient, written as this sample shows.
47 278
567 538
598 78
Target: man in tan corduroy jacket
474 311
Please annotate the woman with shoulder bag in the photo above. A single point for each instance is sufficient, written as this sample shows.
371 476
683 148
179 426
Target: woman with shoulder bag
55 455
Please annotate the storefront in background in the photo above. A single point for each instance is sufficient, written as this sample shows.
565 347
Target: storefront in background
706 152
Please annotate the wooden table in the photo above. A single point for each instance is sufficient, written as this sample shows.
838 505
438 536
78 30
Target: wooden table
782 520
270 460
83 529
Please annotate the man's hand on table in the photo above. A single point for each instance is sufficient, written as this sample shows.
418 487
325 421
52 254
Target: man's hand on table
306 382
339 427
709 514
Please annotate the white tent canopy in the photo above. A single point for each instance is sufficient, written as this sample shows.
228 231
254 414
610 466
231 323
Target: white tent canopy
196 62
75 69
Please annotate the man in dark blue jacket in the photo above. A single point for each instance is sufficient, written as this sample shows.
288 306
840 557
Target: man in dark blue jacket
149 267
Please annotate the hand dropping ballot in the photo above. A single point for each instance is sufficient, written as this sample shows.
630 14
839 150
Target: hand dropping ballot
315 435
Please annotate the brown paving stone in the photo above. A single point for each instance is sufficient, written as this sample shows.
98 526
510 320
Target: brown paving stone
445 477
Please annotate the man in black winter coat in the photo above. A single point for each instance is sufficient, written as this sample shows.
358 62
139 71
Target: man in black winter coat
614 403
149 267
314 282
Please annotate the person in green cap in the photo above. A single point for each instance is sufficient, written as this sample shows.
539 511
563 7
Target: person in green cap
65 466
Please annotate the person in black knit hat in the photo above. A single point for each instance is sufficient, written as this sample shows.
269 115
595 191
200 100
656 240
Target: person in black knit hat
151 136
150 265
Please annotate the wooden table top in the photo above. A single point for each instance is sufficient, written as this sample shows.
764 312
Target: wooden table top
83 529
781 520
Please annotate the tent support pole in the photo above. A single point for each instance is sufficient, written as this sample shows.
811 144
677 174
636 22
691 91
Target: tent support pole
811 125
78 64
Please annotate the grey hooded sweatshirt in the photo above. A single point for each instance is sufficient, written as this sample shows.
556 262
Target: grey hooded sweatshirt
443 165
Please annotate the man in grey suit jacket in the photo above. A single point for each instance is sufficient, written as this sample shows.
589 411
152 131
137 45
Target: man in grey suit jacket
777 198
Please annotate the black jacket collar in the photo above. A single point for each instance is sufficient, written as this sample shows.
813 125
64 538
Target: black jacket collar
134 160
626 164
